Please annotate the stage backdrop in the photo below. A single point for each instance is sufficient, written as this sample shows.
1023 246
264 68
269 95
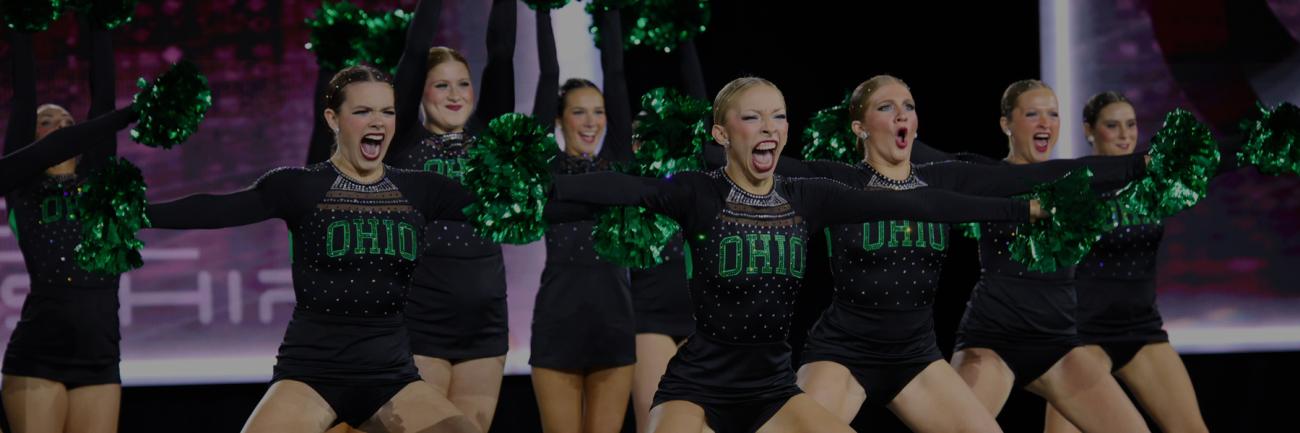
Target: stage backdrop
1227 273
211 306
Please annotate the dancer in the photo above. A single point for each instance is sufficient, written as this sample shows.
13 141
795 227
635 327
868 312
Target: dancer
357 233
875 344
1019 327
747 230
1116 283
61 368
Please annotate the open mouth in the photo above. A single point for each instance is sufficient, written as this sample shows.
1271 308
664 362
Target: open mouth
588 137
371 144
455 107
1041 142
900 138
1123 145
763 159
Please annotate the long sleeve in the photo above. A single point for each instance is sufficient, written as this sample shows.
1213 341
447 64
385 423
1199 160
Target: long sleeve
267 198
412 70
548 82
923 153
21 130
59 146
618 104
829 202
692 73
497 88
445 198
103 94
1004 180
673 197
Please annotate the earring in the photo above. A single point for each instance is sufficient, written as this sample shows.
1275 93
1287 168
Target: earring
864 136
1089 138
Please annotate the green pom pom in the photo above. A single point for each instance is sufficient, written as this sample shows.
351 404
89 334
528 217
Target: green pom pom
508 173
1183 159
546 4
386 39
113 210
662 25
171 107
828 135
336 31
672 133
1271 140
31 16
632 236
969 230
1078 219
107 14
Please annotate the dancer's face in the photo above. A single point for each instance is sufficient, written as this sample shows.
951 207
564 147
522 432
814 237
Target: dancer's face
754 132
364 123
1034 126
1116 130
51 118
889 123
448 97
583 120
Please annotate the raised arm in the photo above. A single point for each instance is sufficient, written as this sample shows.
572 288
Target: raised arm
618 104
412 70
548 82
103 93
21 130
497 88
61 145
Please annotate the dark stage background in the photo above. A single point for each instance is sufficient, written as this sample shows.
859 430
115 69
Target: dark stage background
200 364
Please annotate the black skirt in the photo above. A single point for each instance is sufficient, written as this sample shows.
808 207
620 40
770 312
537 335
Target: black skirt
68 335
582 319
456 309
1120 316
883 349
1030 323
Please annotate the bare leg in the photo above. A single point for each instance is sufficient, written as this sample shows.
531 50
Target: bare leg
605 395
677 416
1081 387
473 385
559 399
34 405
418 408
987 374
1160 383
652 354
937 400
802 414
94 409
290 406
831 385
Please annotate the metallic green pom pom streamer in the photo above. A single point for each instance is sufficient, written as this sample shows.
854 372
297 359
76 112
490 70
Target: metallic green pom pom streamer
113 210
672 133
336 30
828 135
661 25
1272 140
106 14
508 174
385 40
1183 159
1078 218
172 106
31 16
